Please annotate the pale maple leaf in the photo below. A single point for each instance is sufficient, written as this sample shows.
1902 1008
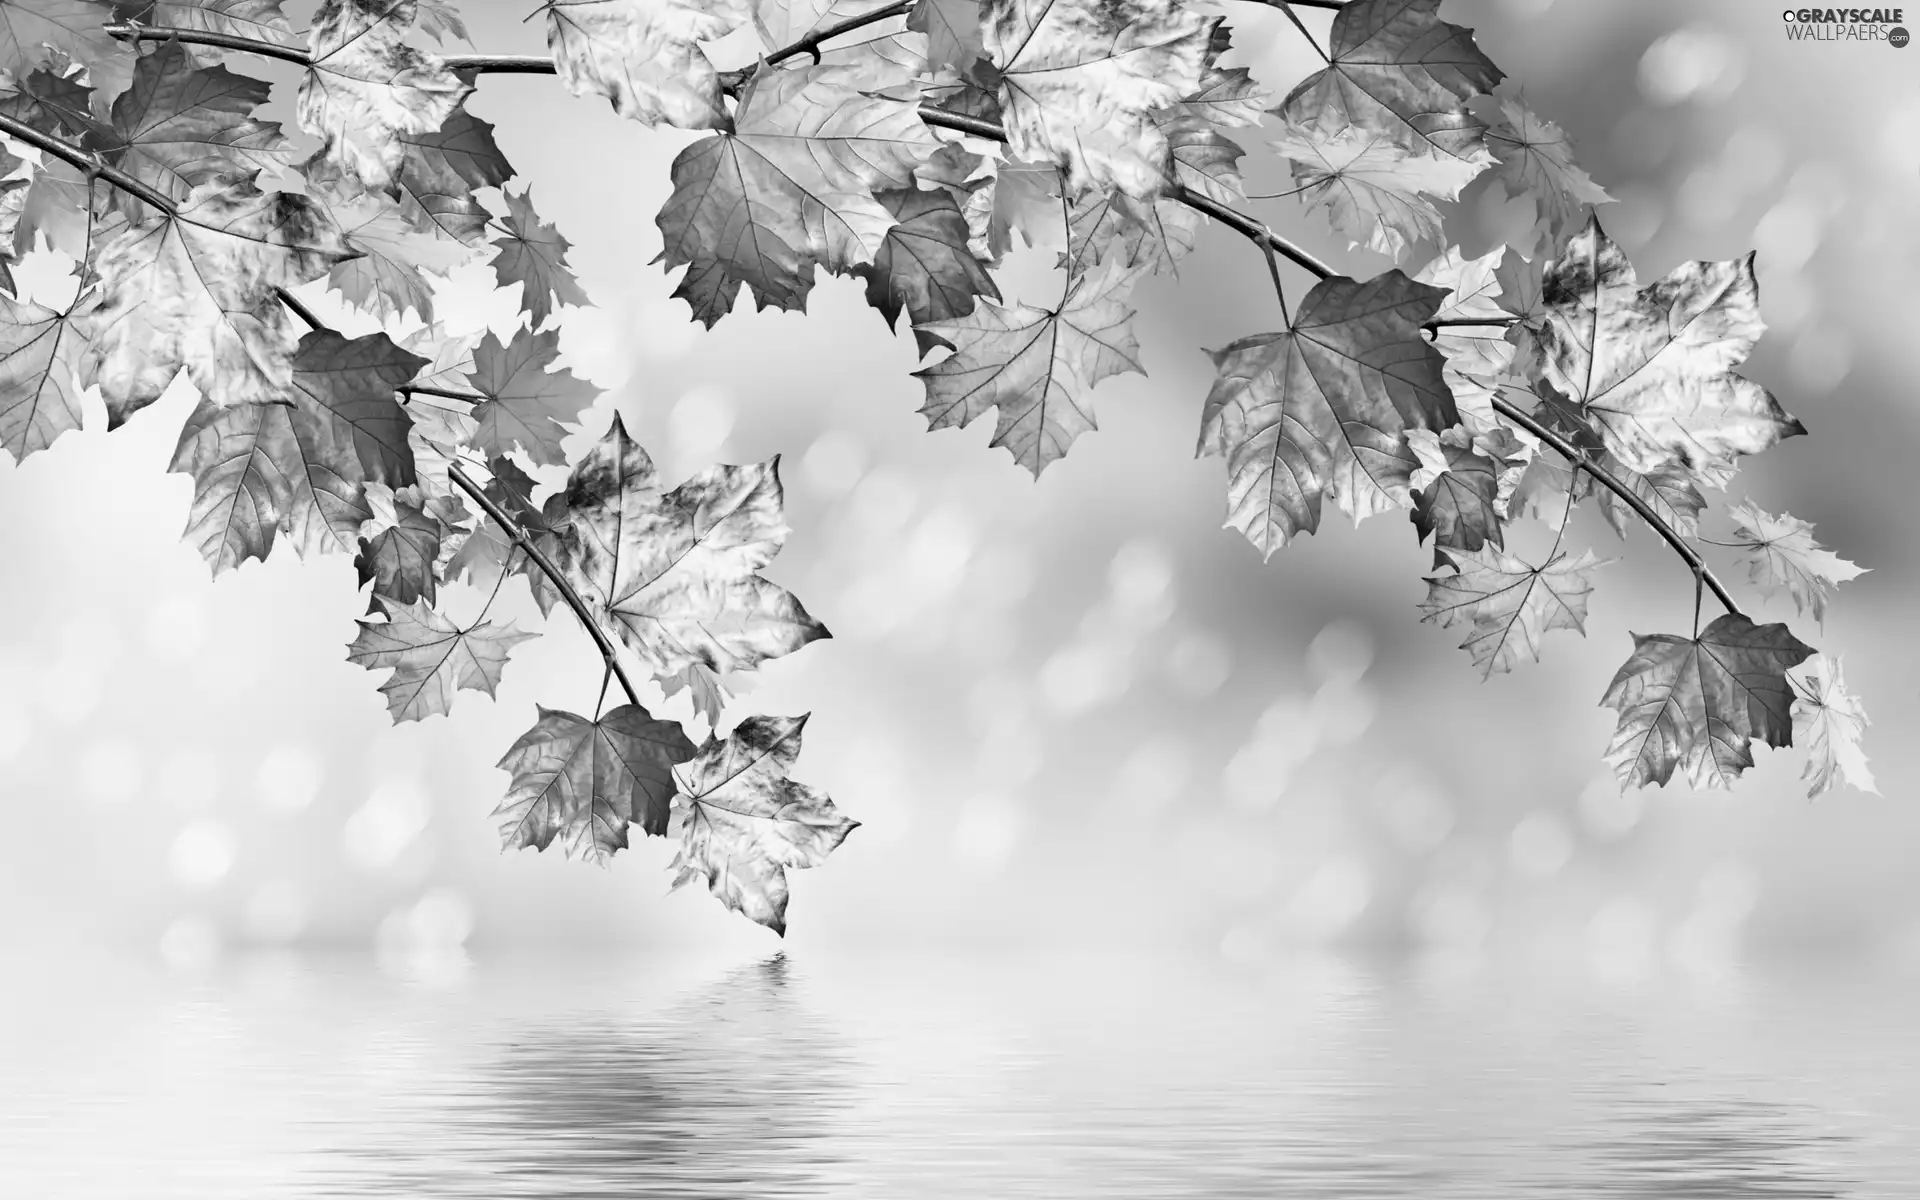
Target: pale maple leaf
644 56
1829 721
1374 189
533 254
528 404
365 87
743 824
1698 703
1509 604
389 278
1536 158
40 352
1781 555
431 658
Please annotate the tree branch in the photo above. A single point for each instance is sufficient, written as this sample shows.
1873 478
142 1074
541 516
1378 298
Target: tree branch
421 389
135 31
68 152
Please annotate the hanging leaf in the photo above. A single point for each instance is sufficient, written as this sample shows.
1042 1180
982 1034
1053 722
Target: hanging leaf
528 404
584 782
1536 159
1477 355
1034 365
1324 410
440 170
1105 226
1395 68
366 87
1669 491
299 468
1081 78
402 560
40 351
1374 189
923 265
1829 720
644 56
1456 491
195 290
674 573
1781 554
743 824
533 254
1508 604
431 658
1651 367
388 279
953 32
792 188
1697 703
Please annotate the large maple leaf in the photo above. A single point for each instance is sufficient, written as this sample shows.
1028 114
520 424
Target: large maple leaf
40 351
366 87
533 254
1829 721
1080 80
1324 409
584 781
1396 68
299 468
1652 367
674 573
1374 189
1508 603
923 266
528 404
178 126
792 187
1036 366
743 824
1697 703
431 658
195 289
1781 555
644 56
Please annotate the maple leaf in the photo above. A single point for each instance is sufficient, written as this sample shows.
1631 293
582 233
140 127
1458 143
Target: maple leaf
402 560
1396 68
1509 603
1536 158
528 404
195 289
256 20
439 171
55 98
674 573
791 188
449 355
953 31
1668 490
1080 80
1698 702
1651 367
585 781
1828 720
431 658
299 468
40 351
1204 159
1781 554
387 280
1373 188
365 87
177 127
923 265
644 56
1456 491
1477 355
1105 225
1324 409
1226 97
439 20
743 824
1022 197
706 692
1036 366
71 27
533 254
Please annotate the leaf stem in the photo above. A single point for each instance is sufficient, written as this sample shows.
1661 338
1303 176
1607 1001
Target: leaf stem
1287 8
421 389
299 308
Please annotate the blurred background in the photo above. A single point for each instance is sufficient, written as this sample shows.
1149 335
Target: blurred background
1068 713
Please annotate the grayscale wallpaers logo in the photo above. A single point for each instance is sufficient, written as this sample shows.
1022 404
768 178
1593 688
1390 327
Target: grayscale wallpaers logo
1847 25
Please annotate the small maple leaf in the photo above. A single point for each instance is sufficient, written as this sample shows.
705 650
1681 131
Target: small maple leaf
533 254
1036 366
1396 68
72 27
1781 555
1204 160
674 573
743 824
402 560
1651 367
40 350
1829 720
1080 80
1536 158
953 31
365 87
1227 97
1374 189
1324 408
528 404
644 56
1698 702
1456 491
431 657
388 278
584 782
195 289
1106 226
923 266
1509 603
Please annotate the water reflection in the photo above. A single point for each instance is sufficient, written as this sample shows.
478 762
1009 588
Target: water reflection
1730 1149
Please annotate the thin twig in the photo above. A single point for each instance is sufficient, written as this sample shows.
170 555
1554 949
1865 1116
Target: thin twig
299 308
421 389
